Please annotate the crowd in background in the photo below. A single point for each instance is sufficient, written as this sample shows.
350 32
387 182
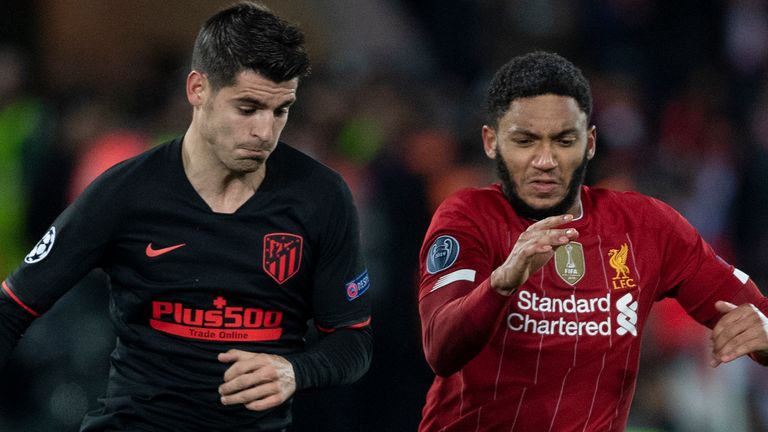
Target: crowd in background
396 106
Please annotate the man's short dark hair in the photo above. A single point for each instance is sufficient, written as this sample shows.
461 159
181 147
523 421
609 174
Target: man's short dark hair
248 36
535 74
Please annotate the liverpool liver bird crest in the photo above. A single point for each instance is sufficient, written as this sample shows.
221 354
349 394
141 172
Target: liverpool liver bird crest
618 260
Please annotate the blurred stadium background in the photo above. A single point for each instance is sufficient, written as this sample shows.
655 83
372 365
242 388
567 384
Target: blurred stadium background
395 104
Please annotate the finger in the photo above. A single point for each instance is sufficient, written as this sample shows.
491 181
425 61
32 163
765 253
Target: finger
266 403
724 306
563 236
554 238
550 222
232 355
734 321
248 380
741 331
749 341
537 246
244 366
549 236
239 368
251 394
728 328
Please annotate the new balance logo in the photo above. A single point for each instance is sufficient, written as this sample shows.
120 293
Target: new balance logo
152 253
627 317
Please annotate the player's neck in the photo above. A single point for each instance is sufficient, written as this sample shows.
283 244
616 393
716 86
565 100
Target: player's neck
223 190
577 210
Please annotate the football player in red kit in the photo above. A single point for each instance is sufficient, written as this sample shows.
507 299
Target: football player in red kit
534 292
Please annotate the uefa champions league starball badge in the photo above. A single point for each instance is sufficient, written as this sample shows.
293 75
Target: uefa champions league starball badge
42 248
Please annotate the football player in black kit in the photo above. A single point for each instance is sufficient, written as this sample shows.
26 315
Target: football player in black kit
220 246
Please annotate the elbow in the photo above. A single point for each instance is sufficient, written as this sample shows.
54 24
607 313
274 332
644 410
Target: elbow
441 363
366 352
440 353
444 370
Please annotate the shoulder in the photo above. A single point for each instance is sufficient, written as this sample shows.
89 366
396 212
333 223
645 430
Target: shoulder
286 154
474 204
474 199
631 205
135 171
471 209
625 198
154 158
296 169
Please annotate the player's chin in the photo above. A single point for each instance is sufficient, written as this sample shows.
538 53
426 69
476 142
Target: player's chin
247 165
544 209
544 204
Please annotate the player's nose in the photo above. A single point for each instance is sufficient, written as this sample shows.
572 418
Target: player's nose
545 158
262 126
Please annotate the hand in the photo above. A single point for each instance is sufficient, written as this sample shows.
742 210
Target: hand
742 330
533 249
259 381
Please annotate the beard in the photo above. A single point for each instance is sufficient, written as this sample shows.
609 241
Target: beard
524 209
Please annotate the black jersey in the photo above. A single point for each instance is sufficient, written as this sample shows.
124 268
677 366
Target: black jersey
188 283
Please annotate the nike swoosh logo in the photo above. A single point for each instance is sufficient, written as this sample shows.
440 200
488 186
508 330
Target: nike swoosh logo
152 253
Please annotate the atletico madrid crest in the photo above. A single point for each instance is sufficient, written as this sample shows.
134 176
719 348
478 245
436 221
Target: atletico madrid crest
282 255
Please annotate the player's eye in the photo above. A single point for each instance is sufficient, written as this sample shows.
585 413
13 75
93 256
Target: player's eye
523 142
246 110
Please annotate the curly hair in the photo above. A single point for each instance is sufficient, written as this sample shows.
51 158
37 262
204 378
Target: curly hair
534 74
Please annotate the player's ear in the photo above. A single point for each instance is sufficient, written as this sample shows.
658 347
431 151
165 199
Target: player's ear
490 141
591 142
197 84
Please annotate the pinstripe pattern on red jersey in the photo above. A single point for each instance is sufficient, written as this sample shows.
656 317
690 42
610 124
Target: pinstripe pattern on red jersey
559 399
594 395
519 405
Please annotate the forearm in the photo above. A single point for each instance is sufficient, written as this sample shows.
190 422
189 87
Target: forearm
13 322
341 357
456 331
750 293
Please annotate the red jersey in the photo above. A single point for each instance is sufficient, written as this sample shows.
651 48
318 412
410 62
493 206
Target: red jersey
561 354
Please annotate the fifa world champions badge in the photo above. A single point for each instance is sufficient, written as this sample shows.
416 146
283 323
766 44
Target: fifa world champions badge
569 262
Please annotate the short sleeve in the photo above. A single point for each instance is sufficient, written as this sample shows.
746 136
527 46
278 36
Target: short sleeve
72 246
341 286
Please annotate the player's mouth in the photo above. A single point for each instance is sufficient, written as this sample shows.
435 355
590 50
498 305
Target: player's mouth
543 186
252 153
